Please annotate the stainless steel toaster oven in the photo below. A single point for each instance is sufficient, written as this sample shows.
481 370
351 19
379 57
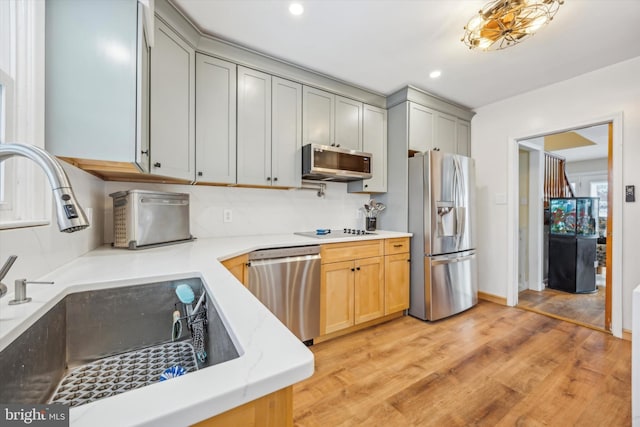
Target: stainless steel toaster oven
144 219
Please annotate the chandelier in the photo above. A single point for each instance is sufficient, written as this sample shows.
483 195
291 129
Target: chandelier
504 23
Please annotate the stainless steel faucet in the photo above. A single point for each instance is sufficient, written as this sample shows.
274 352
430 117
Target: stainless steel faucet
70 215
3 272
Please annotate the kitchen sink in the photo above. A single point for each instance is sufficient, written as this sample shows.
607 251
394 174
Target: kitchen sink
99 343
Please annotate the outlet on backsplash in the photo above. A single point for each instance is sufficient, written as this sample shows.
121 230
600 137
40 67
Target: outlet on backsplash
227 215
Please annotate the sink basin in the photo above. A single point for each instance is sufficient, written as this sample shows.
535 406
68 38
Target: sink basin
95 344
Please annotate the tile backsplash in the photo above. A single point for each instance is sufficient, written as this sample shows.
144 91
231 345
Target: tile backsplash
255 211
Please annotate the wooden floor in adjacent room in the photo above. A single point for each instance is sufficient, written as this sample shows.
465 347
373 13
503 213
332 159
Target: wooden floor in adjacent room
584 308
492 365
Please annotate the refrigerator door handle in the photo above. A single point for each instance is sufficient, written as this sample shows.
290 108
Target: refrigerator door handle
452 259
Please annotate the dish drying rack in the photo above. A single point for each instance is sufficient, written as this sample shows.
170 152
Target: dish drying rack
197 321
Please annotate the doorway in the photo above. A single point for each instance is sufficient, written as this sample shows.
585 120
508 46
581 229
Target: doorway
590 173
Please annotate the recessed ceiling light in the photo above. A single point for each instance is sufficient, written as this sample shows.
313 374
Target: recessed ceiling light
435 74
296 9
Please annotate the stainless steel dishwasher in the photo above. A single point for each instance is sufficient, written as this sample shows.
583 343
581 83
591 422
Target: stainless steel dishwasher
287 282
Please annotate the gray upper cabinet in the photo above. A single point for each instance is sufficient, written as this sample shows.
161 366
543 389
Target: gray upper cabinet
421 120
269 130
318 117
445 133
97 82
374 141
330 119
348 120
254 127
172 105
463 137
286 131
215 120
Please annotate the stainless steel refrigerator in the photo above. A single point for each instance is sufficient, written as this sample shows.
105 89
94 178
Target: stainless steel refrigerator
441 217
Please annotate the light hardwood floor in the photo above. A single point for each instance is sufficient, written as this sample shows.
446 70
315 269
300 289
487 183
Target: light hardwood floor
584 308
492 365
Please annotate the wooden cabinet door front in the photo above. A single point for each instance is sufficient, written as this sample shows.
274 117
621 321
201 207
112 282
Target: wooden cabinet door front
396 281
336 296
369 289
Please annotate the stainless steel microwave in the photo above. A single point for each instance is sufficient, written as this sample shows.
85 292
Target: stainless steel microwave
325 163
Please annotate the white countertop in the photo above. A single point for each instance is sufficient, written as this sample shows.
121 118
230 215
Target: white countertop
271 357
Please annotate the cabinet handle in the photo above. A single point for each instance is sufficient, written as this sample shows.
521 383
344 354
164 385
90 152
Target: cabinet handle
399 245
366 185
248 264
157 165
275 179
337 145
268 178
358 268
145 152
353 269
409 260
199 173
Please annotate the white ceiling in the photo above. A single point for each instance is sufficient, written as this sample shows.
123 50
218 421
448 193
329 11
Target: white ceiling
383 45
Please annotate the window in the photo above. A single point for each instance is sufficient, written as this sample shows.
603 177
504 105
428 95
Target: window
601 189
24 200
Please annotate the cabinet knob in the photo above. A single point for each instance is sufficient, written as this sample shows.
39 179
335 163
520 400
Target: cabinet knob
337 145
366 185
157 165
409 260
358 268
353 269
145 152
268 178
200 173
275 179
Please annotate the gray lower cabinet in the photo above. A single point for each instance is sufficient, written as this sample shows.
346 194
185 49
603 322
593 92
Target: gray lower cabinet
374 141
97 82
172 107
215 120
269 130
330 119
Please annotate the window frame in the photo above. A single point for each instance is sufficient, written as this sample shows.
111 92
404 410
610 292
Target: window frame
28 203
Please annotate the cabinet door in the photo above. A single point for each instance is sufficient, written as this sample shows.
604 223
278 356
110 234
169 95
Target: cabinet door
238 267
215 120
445 133
463 138
286 133
374 141
172 105
348 122
336 296
396 283
254 127
369 289
91 89
318 116
142 150
420 127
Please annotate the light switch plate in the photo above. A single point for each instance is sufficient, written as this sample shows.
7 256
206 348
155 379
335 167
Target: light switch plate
630 193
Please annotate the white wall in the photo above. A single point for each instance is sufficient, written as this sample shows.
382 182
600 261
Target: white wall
44 248
256 211
578 101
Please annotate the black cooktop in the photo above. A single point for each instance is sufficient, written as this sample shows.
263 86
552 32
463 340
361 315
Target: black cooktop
325 233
